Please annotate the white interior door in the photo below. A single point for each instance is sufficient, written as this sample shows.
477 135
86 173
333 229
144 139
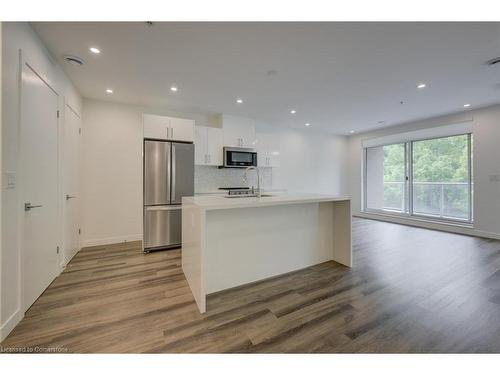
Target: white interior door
71 184
39 195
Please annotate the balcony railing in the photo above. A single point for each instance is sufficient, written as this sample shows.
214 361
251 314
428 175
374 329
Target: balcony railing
446 200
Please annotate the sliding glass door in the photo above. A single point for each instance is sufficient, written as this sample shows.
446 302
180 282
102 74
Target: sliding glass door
430 178
386 178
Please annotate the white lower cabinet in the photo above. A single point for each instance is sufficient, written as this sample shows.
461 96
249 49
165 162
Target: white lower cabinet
268 150
208 146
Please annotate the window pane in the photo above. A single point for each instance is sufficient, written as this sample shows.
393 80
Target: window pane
385 178
440 177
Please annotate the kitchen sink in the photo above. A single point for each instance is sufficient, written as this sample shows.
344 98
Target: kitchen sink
248 196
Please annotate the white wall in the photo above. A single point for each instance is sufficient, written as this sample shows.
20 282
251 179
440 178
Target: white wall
15 37
486 164
112 166
112 169
310 161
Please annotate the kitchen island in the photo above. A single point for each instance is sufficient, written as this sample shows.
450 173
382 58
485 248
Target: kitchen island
227 242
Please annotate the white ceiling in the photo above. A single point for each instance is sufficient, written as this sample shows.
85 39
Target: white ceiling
338 76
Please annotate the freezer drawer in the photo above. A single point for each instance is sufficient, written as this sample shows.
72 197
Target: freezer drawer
162 227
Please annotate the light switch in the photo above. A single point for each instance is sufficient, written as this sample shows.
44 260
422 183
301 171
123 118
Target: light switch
10 180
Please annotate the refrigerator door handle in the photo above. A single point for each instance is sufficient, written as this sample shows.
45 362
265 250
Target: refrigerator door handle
164 208
172 199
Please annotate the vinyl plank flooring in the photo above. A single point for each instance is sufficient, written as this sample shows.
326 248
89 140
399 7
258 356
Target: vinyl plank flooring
411 290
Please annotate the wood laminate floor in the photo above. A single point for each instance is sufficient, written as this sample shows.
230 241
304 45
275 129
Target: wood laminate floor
410 290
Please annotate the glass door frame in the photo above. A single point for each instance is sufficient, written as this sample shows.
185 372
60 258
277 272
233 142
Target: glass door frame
408 211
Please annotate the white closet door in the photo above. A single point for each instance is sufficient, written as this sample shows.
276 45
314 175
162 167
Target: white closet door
71 189
39 104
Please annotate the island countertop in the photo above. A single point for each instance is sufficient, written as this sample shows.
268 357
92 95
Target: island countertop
228 242
220 202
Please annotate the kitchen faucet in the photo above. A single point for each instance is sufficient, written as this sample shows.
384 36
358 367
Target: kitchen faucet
258 179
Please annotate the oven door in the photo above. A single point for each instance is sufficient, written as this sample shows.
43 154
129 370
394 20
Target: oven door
240 157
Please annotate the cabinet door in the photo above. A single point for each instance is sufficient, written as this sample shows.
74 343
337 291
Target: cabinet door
268 150
273 150
247 136
200 145
239 135
156 127
261 145
214 146
181 129
231 136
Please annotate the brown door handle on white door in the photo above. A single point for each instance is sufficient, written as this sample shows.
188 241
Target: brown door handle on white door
68 197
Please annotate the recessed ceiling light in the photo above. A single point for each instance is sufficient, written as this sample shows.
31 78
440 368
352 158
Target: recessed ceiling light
351 131
109 91
307 124
173 89
421 85
239 101
293 111
95 50
467 105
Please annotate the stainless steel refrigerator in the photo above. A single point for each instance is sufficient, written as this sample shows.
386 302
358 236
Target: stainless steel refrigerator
168 176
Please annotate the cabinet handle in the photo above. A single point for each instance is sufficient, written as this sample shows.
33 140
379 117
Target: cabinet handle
172 132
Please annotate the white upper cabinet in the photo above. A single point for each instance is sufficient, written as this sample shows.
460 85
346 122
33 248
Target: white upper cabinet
169 128
208 146
238 132
181 129
268 150
214 146
200 145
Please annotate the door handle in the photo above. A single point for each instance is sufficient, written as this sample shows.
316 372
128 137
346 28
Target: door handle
172 193
68 197
28 206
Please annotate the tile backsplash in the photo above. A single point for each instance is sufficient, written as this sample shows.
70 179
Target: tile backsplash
208 179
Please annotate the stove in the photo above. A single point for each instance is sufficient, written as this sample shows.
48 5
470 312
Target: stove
238 191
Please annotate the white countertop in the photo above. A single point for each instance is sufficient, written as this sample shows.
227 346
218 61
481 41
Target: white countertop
220 202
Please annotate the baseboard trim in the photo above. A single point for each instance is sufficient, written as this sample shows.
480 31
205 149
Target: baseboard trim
492 235
10 324
451 228
111 240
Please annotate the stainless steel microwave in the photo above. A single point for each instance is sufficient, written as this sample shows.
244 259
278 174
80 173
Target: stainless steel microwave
239 157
